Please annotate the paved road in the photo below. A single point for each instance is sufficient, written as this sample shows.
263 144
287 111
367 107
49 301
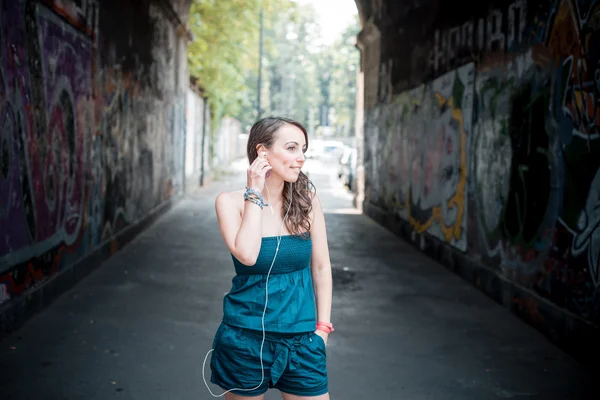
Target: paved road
406 328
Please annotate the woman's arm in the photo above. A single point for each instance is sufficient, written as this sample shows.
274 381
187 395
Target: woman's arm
321 265
240 221
242 235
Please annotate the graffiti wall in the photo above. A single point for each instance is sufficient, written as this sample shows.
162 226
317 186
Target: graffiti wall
91 130
423 136
490 144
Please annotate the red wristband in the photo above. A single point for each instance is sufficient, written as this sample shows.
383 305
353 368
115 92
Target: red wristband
325 326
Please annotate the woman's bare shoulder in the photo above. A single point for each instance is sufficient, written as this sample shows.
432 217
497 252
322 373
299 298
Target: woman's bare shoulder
229 198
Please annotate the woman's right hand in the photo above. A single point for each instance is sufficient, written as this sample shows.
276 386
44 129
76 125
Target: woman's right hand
257 172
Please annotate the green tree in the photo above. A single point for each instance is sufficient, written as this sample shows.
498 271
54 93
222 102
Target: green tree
291 84
306 77
299 74
345 59
224 53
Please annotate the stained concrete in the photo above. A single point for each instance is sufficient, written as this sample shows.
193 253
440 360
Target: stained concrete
406 328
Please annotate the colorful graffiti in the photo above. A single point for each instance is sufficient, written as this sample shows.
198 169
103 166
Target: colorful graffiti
517 167
44 151
522 154
87 147
425 151
573 40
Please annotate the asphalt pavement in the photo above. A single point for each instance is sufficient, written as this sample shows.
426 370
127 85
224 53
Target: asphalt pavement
406 328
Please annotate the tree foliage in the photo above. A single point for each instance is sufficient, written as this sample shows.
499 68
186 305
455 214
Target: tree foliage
291 82
300 75
225 49
345 59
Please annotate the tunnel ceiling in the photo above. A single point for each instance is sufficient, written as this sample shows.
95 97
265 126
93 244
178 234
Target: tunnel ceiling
385 12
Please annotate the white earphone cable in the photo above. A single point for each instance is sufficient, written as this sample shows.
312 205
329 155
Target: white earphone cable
262 369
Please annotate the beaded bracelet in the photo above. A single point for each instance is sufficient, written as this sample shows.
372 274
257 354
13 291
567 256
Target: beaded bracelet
254 197
250 190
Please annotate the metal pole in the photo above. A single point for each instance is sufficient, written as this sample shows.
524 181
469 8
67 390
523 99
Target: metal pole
204 110
260 56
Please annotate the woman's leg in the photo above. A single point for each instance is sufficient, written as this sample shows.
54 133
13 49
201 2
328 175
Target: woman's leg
231 396
287 396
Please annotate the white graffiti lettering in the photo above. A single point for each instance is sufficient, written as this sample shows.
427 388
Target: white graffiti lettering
491 35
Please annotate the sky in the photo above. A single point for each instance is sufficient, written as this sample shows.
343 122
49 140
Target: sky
334 15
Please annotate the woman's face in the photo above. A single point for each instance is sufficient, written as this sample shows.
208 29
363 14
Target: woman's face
286 155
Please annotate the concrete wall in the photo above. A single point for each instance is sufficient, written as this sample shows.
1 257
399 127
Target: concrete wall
92 117
229 142
482 146
197 165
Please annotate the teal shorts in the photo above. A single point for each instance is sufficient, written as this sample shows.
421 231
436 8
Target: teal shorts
293 363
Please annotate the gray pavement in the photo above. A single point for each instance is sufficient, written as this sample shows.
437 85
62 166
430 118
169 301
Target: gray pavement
406 328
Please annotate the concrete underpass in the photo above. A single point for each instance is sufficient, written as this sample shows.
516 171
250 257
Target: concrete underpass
464 258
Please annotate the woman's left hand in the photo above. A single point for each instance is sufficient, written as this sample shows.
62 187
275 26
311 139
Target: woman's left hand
324 335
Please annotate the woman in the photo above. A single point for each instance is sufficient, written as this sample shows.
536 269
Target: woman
277 314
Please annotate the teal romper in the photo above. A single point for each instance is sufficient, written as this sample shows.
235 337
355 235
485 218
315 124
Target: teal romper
294 357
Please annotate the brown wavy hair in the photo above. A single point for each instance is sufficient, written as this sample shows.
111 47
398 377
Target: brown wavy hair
264 131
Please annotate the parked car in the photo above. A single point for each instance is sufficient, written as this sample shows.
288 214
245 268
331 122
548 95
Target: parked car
332 150
348 169
344 160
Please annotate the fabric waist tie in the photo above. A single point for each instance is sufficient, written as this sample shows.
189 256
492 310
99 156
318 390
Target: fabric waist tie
285 350
285 356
